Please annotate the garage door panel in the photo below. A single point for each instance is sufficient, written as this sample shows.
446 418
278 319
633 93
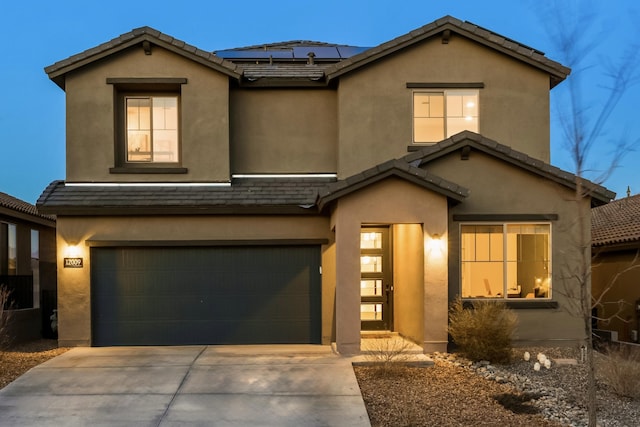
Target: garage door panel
217 295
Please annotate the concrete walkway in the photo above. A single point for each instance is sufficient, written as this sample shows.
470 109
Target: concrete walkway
285 385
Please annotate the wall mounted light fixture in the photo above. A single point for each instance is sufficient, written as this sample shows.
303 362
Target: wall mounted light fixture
435 244
72 251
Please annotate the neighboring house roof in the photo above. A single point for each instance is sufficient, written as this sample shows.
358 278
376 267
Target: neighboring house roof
470 141
15 207
617 223
251 63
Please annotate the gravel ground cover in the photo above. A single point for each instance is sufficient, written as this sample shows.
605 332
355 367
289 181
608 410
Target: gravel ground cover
441 395
19 358
458 392
453 392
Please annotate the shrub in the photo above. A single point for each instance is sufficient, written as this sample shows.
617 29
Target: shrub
5 317
483 331
619 368
387 355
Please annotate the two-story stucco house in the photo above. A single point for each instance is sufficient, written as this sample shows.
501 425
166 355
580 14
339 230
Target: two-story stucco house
303 192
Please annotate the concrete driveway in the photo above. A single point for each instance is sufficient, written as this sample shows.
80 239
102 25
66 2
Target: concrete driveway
285 385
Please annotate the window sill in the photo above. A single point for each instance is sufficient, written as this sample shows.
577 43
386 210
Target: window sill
524 304
516 304
148 170
419 146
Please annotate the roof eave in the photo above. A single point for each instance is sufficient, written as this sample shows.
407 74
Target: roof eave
618 246
57 71
598 195
457 195
178 210
557 72
27 217
270 82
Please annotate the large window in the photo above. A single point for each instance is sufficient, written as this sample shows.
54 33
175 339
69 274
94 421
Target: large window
439 115
151 129
8 249
506 260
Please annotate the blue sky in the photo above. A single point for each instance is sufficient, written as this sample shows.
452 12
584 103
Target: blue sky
36 34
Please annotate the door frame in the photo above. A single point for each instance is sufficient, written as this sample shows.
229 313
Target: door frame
386 275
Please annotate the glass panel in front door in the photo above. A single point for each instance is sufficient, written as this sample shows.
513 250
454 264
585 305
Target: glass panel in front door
376 290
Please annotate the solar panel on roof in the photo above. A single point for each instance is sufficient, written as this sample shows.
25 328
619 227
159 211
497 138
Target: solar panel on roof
321 52
349 51
295 52
255 54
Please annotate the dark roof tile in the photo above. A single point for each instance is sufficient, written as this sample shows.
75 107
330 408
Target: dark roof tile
395 167
252 193
557 71
616 223
57 70
15 204
598 193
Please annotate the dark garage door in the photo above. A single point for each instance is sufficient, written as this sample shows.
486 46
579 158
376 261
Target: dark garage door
205 295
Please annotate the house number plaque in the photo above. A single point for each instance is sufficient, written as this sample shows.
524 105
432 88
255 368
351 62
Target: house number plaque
73 263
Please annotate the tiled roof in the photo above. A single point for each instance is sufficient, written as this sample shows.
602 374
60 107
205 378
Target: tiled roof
598 193
14 204
289 51
344 59
57 71
617 222
282 71
243 196
289 44
382 171
557 71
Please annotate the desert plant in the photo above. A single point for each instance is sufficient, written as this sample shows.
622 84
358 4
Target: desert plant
483 331
5 317
387 354
619 369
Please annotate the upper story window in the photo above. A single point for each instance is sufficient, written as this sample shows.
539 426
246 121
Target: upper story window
148 125
151 129
509 260
440 114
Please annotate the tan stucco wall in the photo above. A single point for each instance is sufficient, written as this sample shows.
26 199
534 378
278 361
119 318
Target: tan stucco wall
74 293
283 131
391 201
204 125
365 121
616 285
499 188
408 276
375 106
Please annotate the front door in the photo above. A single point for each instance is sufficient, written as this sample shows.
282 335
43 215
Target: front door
376 287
